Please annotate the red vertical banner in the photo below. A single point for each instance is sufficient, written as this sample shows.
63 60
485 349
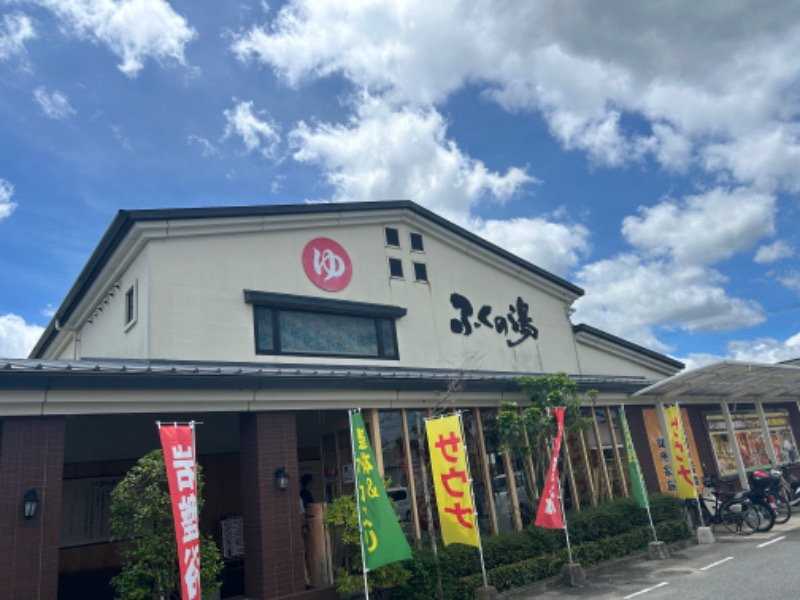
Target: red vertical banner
549 515
177 442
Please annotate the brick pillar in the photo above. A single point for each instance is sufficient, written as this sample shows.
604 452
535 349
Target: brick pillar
273 540
31 456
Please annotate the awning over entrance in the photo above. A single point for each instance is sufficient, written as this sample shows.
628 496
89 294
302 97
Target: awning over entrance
728 380
728 384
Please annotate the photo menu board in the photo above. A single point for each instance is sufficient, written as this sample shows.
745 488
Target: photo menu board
86 510
750 440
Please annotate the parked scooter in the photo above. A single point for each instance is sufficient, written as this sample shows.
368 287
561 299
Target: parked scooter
764 489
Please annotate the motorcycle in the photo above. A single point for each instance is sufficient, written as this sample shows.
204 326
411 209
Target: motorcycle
764 492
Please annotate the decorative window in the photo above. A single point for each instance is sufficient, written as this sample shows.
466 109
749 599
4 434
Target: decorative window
420 272
392 237
396 268
131 308
416 242
308 326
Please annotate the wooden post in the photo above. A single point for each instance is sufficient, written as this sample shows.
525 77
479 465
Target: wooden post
511 481
576 499
601 455
623 477
589 477
317 552
529 464
412 485
487 476
377 445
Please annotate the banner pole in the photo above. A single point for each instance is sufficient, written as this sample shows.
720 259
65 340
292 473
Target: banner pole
474 506
358 505
561 502
635 469
691 464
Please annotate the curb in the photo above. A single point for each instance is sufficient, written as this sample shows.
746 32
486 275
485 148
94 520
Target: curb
523 592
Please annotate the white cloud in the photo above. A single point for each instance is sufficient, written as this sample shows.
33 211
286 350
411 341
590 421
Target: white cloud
15 30
257 130
134 30
630 297
208 149
383 154
761 350
556 247
766 350
791 280
766 158
705 228
688 86
54 105
714 81
6 205
17 338
773 252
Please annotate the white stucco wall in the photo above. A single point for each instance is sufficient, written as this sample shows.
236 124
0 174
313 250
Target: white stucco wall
197 309
191 275
105 334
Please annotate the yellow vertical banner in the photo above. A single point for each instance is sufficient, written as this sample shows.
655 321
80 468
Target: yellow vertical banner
451 481
681 466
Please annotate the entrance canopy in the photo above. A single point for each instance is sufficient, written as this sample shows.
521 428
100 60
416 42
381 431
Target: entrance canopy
728 380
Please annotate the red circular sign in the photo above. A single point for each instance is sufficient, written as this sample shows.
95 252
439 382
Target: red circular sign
327 264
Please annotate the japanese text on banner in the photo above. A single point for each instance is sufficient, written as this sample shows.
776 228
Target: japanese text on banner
178 445
637 481
382 537
549 514
681 465
451 481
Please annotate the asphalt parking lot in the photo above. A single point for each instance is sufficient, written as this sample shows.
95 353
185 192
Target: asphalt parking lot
691 567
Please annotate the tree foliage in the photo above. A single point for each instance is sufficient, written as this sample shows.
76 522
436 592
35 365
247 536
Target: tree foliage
536 420
141 516
342 516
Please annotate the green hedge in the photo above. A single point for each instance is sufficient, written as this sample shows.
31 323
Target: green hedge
586 554
604 532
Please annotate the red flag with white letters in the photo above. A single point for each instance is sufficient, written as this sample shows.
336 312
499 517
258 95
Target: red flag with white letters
549 515
178 444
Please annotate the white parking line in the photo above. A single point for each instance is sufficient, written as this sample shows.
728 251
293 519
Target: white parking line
650 589
777 539
719 562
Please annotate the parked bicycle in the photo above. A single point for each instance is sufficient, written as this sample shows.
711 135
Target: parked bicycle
763 496
732 509
789 482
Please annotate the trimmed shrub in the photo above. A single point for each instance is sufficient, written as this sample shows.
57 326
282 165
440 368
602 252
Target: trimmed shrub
514 559
586 553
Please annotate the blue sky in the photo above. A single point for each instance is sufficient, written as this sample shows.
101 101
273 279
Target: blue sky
648 152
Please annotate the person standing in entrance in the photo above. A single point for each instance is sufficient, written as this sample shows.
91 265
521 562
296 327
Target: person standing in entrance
306 498
305 494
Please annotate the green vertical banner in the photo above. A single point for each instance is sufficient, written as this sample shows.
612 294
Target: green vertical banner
637 481
382 538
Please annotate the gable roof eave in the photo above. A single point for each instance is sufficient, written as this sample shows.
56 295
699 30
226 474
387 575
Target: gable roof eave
125 219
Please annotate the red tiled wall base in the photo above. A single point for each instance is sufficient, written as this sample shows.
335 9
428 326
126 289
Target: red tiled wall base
273 529
31 456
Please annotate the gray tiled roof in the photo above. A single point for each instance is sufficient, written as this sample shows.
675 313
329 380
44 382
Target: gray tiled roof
126 373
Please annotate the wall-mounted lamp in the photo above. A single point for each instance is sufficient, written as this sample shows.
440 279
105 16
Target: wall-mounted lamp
29 503
282 478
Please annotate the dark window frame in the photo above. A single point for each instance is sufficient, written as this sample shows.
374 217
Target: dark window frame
131 315
418 236
396 261
395 233
377 313
424 267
